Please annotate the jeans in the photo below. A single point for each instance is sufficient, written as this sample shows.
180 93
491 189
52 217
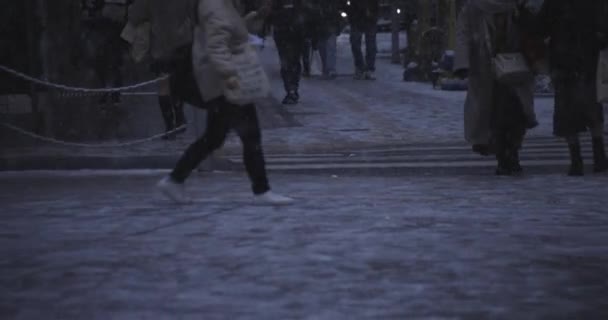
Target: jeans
356 42
290 46
221 118
329 50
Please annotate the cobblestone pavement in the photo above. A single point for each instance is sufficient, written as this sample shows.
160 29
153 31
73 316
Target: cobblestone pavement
106 246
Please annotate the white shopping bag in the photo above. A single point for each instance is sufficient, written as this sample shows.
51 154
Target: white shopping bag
602 77
253 81
316 65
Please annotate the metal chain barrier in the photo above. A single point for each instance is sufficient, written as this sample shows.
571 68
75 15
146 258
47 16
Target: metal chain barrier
79 91
85 145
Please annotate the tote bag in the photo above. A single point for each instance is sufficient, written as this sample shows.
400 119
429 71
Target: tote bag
253 83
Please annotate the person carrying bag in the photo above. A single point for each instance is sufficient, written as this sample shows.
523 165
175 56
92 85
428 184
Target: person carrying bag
252 83
230 78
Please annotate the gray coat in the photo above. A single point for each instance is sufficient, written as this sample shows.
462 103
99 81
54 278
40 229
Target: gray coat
171 23
474 53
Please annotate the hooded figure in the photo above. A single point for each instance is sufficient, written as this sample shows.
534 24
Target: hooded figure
496 115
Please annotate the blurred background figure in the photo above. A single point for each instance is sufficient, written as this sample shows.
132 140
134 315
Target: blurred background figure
288 20
171 29
101 45
363 19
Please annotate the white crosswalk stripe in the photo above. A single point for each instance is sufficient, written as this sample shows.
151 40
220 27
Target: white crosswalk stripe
537 152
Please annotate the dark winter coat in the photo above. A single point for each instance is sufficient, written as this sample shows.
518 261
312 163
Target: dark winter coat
363 13
577 32
287 14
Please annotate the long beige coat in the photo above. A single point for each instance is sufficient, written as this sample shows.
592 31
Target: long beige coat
474 53
220 34
171 24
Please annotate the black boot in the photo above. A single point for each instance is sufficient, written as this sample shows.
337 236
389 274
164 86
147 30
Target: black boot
576 160
600 164
502 156
504 164
166 109
515 163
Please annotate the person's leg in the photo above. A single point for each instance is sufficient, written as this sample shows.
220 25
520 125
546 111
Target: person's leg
600 162
322 46
306 57
282 42
567 120
294 52
332 52
166 105
576 158
595 119
371 48
245 122
218 125
290 52
355 44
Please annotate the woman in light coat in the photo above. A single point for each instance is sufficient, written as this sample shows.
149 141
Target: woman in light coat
170 37
496 116
221 33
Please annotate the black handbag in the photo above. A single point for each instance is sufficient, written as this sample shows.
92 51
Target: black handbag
182 81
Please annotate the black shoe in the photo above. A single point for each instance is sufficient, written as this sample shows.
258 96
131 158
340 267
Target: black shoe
600 163
577 168
291 98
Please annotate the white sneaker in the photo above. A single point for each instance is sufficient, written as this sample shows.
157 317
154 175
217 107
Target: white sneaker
174 191
273 198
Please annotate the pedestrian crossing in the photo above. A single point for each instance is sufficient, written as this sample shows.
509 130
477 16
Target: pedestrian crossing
538 154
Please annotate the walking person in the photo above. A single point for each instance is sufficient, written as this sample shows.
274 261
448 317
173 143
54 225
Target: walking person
171 25
288 20
577 32
363 19
329 29
496 114
221 33
102 24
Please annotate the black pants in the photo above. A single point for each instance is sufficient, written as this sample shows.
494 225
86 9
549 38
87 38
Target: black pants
223 116
290 45
508 123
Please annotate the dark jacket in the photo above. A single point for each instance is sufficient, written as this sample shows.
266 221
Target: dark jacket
363 13
322 17
287 14
330 13
577 32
